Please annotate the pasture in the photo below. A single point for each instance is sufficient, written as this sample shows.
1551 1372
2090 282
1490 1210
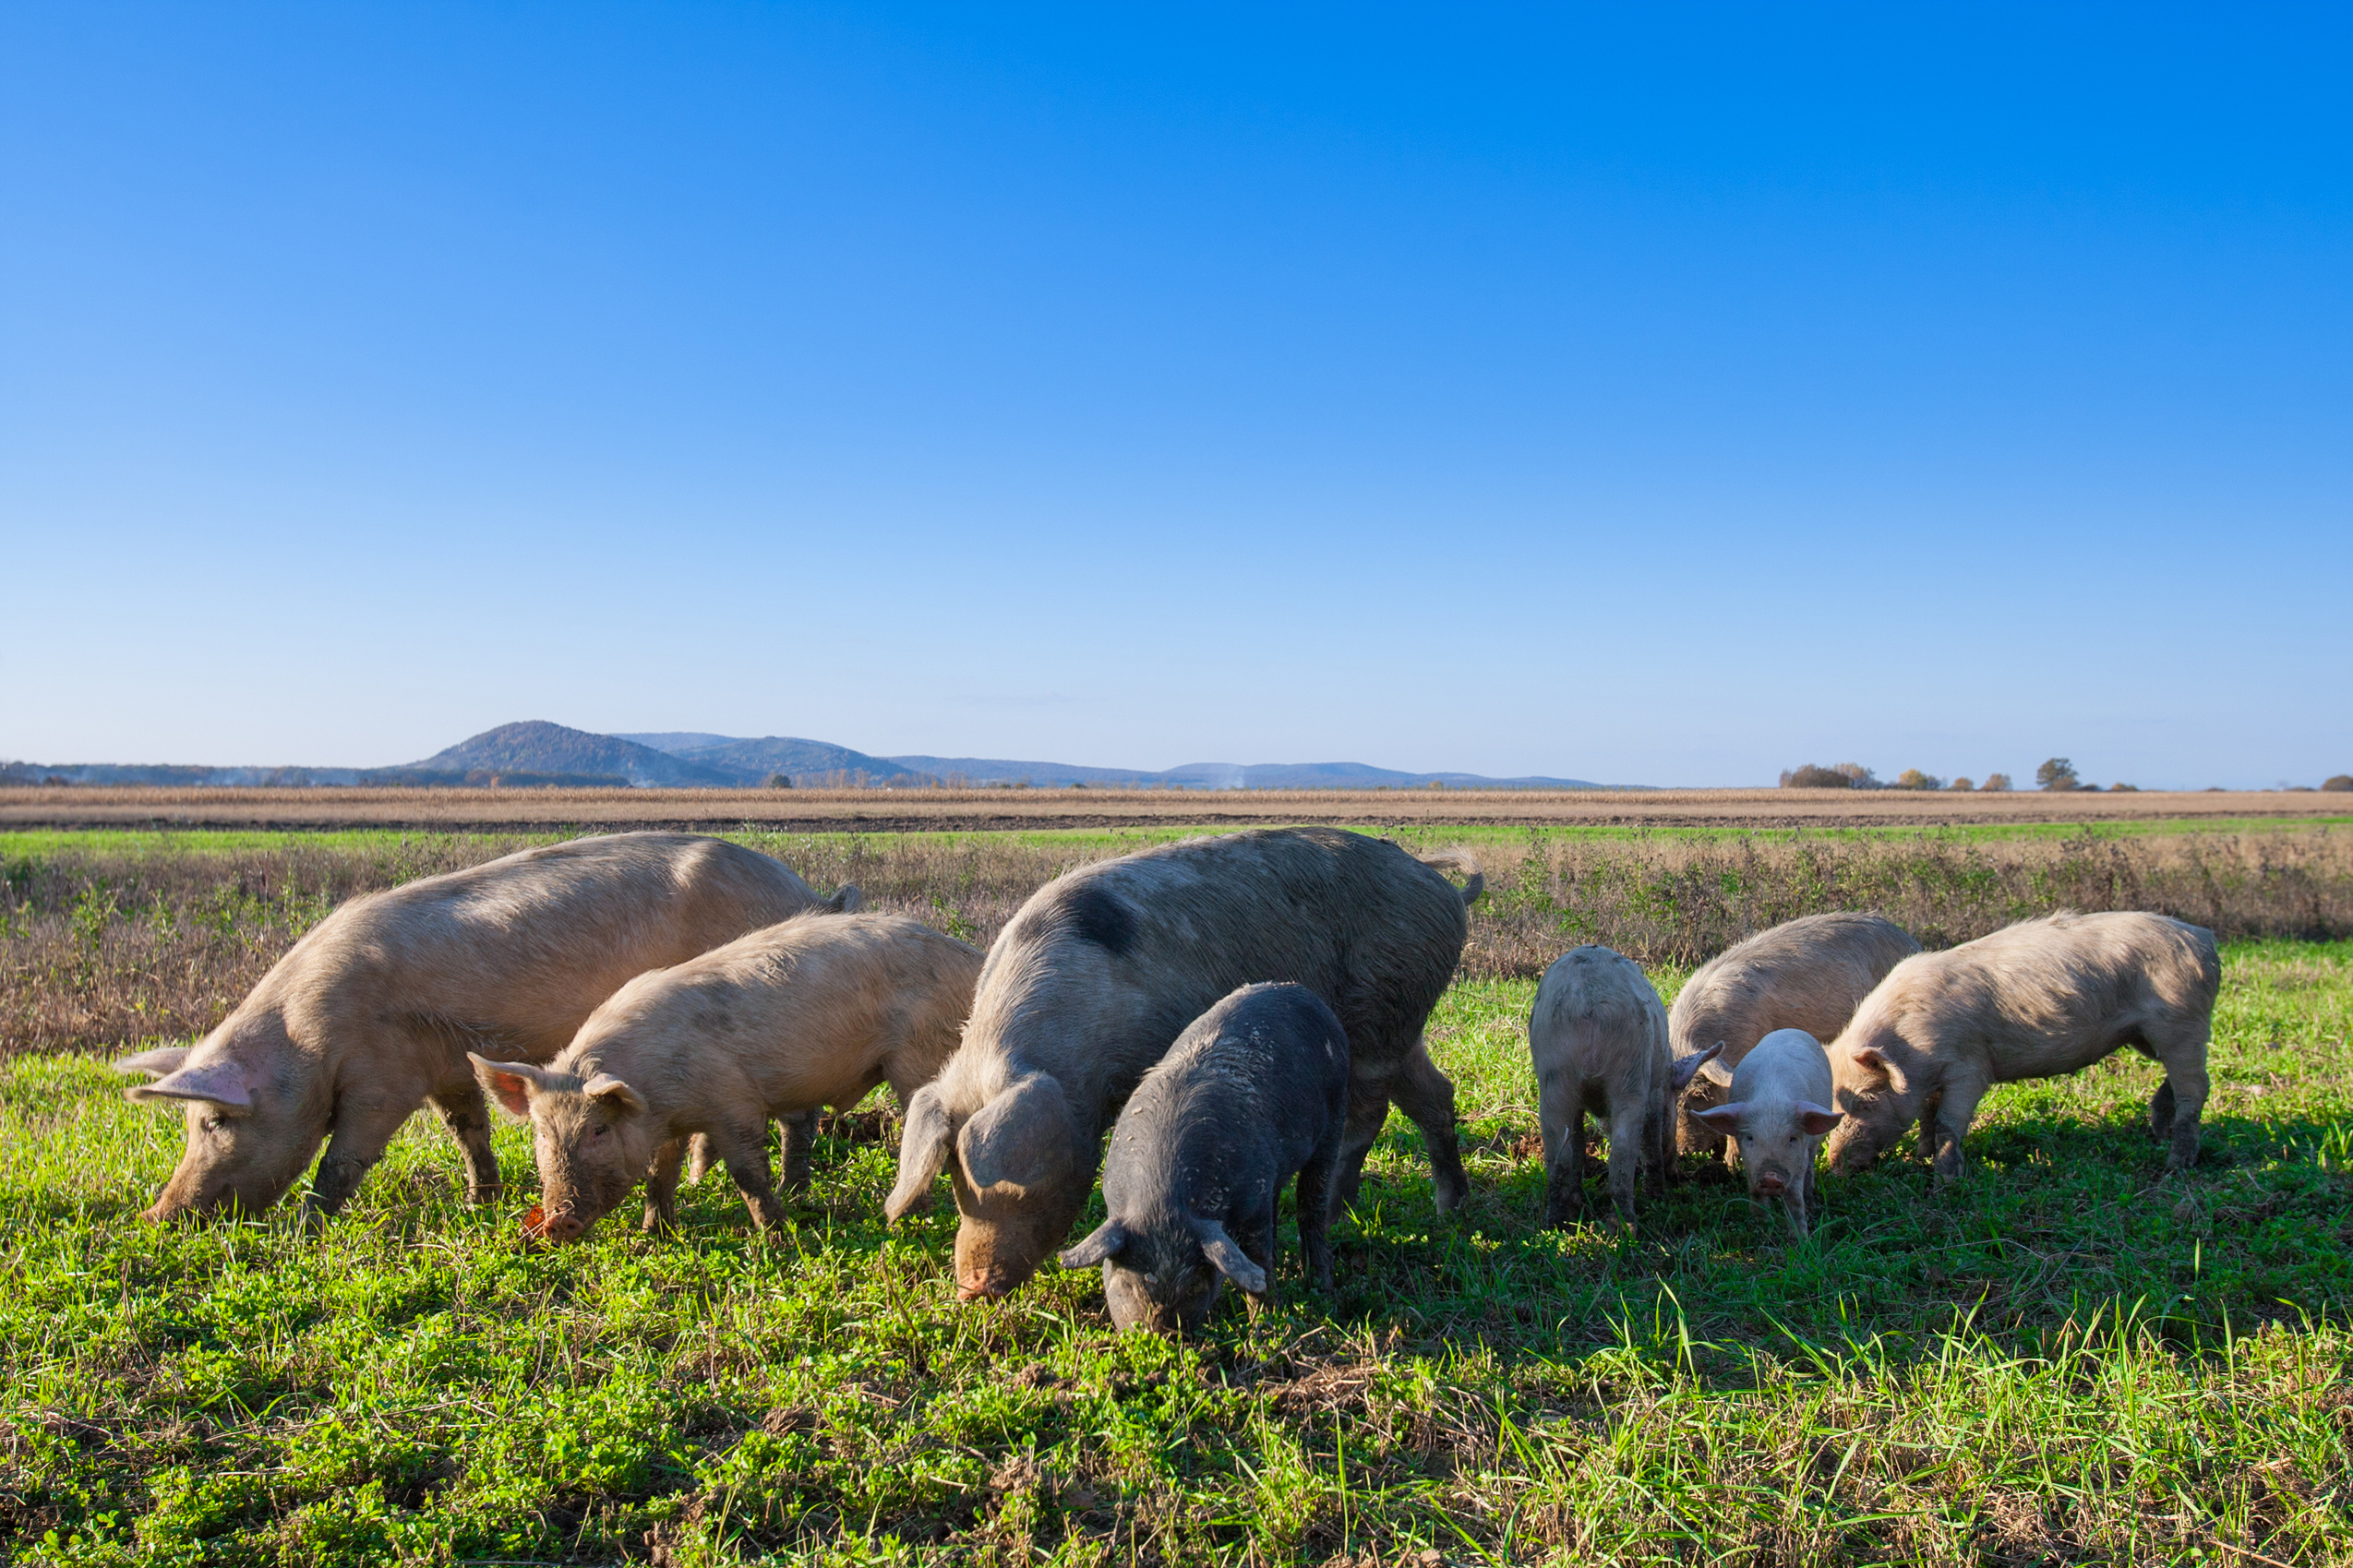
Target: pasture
2069 1357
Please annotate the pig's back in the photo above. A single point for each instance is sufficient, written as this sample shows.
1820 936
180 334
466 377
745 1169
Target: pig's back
1590 997
1787 1063
1099 973
523 948
1809 974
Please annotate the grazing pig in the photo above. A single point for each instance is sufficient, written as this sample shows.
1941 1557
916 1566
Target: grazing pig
806 1013
1099 972
1598 1035
372 1013
1777 1115
2036 999
1808 974
1254 1092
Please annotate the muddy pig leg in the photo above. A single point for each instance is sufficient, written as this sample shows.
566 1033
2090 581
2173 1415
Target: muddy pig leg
1628 1124
1314 1196
800 1136
1957 1100
743 1149
361 1129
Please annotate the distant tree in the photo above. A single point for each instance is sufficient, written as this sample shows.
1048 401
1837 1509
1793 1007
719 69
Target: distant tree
1962 783
1859 777
2339 782
1435 783
1913 778
1812 777
2129 789
778 781
1995 782
2057 775
1078 784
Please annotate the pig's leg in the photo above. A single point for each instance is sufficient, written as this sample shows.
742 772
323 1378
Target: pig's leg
1928 1108
800 1137
1956 1108
1426 1096
1257 1244
1628 1124
661 1188
2161 1109
1368 1108
744 1151
468 1118
1560 1111
1314 1196
2185 1074
356 1141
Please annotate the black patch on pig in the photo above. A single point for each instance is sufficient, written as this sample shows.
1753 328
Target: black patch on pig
1093 913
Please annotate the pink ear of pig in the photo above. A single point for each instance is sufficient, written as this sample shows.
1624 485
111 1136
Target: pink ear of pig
509 1082
223 1083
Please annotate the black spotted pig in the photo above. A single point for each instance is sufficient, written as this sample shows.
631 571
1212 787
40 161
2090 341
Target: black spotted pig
2036 999
1598 1037
1777 1114
1254 1092
809 1012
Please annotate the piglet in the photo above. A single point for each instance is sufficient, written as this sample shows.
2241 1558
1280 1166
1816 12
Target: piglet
809 1012
1777 1114
1253 1091
1598 1038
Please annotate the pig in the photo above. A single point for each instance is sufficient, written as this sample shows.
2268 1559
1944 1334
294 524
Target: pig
1096 974
2036 999
1254 1092
813 1011
1808 974
1777 1115
372 1013
1598 1037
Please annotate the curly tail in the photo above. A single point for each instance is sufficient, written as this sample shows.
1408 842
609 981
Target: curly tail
1456 860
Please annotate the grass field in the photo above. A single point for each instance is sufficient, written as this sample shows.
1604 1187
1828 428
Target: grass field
2070 1357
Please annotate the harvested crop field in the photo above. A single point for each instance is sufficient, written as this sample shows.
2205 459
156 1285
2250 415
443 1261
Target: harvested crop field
2072 1357
918 810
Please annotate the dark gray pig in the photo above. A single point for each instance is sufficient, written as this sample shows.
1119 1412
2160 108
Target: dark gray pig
1598 1038
2036 999
1099 972
1808 974
1252 1093
372 1013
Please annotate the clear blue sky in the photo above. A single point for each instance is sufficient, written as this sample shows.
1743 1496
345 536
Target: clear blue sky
1648 394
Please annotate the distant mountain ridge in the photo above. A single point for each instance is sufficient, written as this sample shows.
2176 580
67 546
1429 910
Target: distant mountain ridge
536 752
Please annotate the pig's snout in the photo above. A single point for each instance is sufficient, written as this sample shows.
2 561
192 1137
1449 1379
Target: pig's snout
1770 1185
985 1287
563 1226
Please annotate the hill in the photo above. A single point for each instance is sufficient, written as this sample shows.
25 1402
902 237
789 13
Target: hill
1218 775
537 747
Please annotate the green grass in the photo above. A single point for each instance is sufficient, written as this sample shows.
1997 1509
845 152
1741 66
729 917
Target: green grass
2070 1357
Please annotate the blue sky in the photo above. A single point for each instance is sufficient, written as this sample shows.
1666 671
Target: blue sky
1648 394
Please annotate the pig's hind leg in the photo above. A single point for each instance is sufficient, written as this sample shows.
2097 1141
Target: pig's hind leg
799 1131
1629 1127
1313 1194
462 1111
2181 1100
1426 1096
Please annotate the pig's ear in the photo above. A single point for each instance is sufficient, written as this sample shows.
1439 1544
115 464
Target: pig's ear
1872 1061
222 1083
923 1149
846 899
1229 1259
1724 1119
165 1058
1816 1119
1106 1242
1686 1068
508 1083
1022 1138
614 1094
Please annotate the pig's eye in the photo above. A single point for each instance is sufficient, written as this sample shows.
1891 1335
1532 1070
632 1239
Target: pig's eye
597 1132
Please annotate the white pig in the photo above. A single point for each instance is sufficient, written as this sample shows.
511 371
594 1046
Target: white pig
1777 1115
